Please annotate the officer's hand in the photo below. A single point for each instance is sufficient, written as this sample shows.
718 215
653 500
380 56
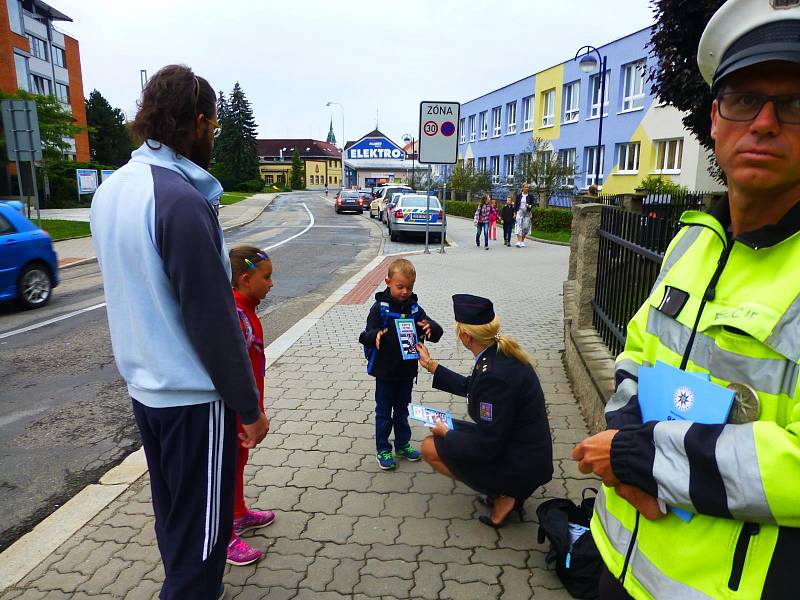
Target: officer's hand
255 432
424 356
640 500
594 456
378 338
426 327
440 429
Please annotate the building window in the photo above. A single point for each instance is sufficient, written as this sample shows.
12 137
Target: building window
524 163
591 165
41 85
38 47
471 165
511 118
268 179
594 86
633 85
495 166
527 113
62 92
21 66
628 156
567 158
497 121
484 118
281 179
472 128
15 16
548 108
510 164
463 137
572 98
482 164
669 154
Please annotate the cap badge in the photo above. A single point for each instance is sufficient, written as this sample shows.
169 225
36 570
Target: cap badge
781 4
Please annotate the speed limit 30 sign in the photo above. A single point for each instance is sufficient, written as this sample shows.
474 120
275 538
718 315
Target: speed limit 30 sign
438 124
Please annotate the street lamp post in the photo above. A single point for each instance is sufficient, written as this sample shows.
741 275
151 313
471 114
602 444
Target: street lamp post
407 137
344 139
588 63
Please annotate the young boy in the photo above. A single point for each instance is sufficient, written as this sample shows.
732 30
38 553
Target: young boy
394 376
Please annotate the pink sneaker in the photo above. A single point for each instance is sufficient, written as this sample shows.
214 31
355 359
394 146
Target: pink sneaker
241 553
253 520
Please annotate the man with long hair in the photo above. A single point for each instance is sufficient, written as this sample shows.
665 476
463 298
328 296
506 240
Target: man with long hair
174 328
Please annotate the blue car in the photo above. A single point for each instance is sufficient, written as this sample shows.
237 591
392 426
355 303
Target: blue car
28 263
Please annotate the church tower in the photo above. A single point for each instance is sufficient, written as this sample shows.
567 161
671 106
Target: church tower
331 137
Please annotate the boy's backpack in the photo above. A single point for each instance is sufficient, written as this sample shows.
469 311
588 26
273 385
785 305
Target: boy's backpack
577 561
386 314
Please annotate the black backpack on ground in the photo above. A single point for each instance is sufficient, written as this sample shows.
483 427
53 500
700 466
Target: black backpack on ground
578 565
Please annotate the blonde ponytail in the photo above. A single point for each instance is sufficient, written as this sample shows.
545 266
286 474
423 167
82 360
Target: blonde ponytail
489 333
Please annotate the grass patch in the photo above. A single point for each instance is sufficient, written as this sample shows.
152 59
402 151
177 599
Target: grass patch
229 198
564 235
60 229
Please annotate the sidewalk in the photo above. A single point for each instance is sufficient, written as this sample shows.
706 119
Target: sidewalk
344 528
80 251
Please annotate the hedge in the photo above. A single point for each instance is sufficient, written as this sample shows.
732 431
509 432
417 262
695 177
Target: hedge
543 219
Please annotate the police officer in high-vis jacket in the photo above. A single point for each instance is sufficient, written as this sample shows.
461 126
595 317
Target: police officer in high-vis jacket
727 303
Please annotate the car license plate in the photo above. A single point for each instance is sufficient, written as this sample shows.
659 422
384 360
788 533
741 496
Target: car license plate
418 217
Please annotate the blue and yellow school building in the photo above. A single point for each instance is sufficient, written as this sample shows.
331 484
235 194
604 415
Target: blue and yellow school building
557 111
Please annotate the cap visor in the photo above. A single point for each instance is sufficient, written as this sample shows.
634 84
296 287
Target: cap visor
755 56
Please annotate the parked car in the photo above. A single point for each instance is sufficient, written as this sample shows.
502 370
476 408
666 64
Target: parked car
349 200
28 263
382 196
409 215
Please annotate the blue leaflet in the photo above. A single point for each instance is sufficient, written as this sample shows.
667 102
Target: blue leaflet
669 394
407 334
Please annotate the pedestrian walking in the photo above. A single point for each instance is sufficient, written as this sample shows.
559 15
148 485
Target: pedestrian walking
523 207
394 373
506 452
724 306
507 218
175 334
493 216
251 282
481 221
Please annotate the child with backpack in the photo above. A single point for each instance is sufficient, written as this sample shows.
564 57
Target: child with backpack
394 374
251 280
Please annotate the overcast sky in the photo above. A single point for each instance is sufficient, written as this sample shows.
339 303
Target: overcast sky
377 58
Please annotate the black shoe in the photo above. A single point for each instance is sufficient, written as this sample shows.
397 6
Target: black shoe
518 507
486 500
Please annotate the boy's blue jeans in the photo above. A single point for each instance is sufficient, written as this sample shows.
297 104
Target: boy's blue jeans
391 411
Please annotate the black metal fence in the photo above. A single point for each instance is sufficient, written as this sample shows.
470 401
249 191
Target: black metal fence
632 247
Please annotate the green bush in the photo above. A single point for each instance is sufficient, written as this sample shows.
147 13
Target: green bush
64 183
543 219
655 184
251 185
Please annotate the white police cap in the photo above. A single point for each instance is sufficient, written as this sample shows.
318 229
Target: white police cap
743 33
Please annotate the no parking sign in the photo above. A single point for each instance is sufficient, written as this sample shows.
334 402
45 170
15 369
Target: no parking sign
438 142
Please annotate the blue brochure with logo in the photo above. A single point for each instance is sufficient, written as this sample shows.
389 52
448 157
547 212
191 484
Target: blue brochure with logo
429 416
669 394
407 334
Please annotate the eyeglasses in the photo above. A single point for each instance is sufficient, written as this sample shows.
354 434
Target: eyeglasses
745 106
217 127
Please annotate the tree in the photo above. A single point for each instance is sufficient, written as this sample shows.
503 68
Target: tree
676 78
466 179
297 178
109 140
236 150
544 171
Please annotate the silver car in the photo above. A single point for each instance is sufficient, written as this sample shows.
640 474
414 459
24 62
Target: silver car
408 216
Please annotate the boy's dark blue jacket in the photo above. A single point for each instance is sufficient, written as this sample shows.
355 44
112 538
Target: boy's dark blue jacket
388 363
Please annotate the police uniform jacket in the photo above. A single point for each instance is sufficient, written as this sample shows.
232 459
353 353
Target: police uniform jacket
508 451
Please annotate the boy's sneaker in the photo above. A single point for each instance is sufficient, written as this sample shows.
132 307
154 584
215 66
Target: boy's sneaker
253 520
241 553
409 453
386 461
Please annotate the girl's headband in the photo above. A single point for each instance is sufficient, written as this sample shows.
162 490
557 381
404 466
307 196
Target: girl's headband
260 256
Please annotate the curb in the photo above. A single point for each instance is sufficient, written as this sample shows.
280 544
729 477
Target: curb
93 259
24 555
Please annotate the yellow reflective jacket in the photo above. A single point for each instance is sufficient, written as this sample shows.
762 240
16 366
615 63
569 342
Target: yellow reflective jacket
729 307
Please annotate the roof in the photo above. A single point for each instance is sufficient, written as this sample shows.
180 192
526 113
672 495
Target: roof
50 12
306 147
372 134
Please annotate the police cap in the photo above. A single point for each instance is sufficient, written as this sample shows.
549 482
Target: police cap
472 310
743 33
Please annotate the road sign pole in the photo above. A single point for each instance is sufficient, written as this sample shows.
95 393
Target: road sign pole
428 213
444 218
33 167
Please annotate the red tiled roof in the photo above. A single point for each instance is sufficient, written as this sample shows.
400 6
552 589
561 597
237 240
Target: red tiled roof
307 148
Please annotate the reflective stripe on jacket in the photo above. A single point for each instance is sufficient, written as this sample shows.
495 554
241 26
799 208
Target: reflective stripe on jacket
737 318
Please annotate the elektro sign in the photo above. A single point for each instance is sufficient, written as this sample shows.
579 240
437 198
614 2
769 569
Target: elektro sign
376 149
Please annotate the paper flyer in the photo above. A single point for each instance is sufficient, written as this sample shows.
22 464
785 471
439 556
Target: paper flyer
407 334
429 416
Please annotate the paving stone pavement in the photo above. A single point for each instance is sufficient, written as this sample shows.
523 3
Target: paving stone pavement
344 528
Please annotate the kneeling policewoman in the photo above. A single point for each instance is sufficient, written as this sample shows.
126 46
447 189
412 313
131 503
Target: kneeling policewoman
507 452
